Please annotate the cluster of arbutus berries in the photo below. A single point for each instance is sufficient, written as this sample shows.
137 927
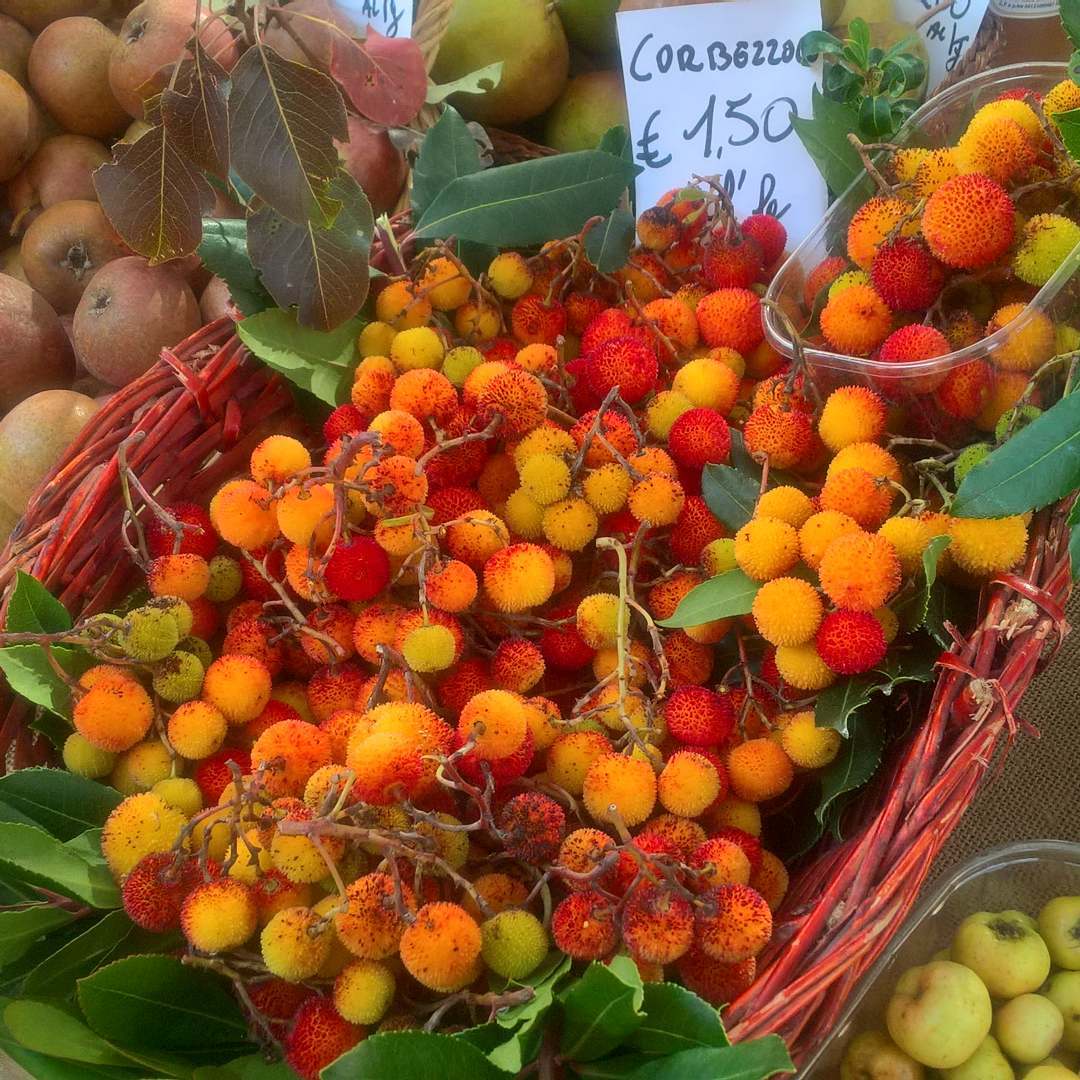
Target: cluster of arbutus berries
953 249
402 718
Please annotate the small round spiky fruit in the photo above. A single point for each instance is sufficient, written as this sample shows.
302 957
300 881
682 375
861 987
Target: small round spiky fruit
179 677
364 991
197 729
370 927
114 714
626 362
624 784
852 414
295 943
850 642
719 861
856 320
531 826
141 825
319 1035
148 634
964 391
657 924
968 458
699 437
219 915
984 546
519 577
808 746
803 668
509 275
238 685
969 222
1045 243
198 539
759 770
657 499
154 891
906 276
496 722
859 571
766 548
699 717
730 318
871 224
784 436
584 926
83 758
733 923
429 648
688 784
787 611
513 943
769 233
1030 340
440 948
244 515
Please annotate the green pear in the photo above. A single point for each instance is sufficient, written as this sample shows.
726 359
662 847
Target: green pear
1004 949
1064 992
589 105
987 1063
590 24
870 10
1051 1071
939 1013
831 10
874 1056
1059 923
1028 1028
529 40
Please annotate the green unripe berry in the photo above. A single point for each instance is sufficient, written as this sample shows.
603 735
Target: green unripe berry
1045 243
179 677
181 793
1015 419
178 609
225 579
141 767
459 363
197 647
718 556
968 458
149 634
514 943
85 759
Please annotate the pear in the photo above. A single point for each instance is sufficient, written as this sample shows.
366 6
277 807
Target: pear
590 24
589 105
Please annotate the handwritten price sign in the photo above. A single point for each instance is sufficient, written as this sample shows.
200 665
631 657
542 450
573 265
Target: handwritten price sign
947 34
711 90
391 18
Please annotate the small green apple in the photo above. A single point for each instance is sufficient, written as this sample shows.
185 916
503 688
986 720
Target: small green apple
1050 1071
939 1013
1064 992
1028 1028
1004 949
987 1063
1059 922
874 1056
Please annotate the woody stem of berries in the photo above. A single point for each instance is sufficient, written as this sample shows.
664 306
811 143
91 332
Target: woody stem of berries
863 150
650 324
799 368
442 445
490 1001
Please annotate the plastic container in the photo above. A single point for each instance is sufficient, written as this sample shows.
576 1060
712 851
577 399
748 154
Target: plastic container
939 122
1021 876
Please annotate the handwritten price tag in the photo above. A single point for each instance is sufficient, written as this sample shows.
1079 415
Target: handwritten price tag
711 90
391 18
948 34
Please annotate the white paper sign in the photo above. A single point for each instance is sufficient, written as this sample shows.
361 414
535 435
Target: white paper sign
948 35
711 89
391 18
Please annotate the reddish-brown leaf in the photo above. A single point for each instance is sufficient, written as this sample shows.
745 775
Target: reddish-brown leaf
323 272
384 78
195 112
154 196
283 120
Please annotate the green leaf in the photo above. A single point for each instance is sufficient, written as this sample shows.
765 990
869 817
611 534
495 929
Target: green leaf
619 1067
857 761
1068 125
251 1067
1037 466
399 1054
676 1019
157 1003
285 117
314 360
528 202
448 151
601 1009
730 494
321 271
608 244
34 610
111 935
1070 19
616 141
720 597
54 727
756 1060
912 612
50 1030
224 251
858 42
19 930
30 675
825 136
817 43
30 854
543 981
479 81
875 118
1074 539
60 802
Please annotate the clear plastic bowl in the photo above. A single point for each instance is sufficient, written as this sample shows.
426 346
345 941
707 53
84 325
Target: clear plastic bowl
1021 877
939 122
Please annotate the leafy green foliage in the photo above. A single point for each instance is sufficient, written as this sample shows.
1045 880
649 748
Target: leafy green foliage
60 802
825 135
20 929
413 1053
223 250
1068 124
51 1030
718 598
859 757
29 854
601 1009
528 202
448 152
316 361
1070 19
730 493
1037 466
676 1020
608 244
913 612
1074 540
